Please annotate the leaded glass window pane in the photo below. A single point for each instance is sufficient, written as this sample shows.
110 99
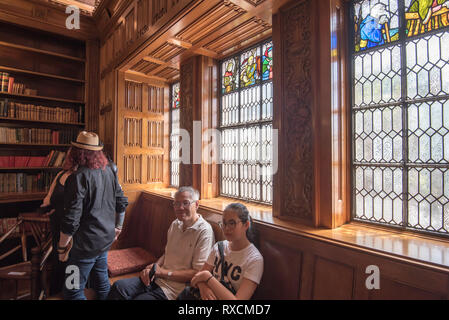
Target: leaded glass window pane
246 124
174 135
400 114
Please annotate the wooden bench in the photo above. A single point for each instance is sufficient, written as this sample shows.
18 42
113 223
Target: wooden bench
145 228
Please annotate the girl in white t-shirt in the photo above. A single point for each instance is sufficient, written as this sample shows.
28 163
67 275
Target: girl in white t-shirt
242 267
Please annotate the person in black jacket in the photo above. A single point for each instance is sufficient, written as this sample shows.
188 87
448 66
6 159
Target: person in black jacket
93 201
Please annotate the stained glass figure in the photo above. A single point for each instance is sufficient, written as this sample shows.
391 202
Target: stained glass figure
229 70
250 67
375 23
267 61
175 96
426 15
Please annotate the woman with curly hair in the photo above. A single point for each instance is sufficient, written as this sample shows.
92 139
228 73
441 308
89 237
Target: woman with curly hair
92 197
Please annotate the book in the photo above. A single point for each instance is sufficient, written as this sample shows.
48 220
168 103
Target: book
10 84
59 159
5 81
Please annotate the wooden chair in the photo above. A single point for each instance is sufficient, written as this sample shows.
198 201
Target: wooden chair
35 271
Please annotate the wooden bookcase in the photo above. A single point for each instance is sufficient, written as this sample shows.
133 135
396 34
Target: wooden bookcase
55 67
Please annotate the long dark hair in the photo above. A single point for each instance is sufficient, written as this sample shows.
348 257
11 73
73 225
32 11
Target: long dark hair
81 157
243 214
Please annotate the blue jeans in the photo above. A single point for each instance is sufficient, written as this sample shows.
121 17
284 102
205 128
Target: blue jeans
97 266
134 289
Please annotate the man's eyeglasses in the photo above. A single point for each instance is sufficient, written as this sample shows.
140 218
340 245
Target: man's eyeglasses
231 224
185 203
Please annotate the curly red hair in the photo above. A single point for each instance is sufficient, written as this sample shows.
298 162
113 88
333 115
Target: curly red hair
81 157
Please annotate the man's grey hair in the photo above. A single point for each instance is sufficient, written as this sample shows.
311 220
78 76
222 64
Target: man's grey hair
194 194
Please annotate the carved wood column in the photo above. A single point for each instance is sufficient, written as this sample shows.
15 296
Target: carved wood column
198 82
294 185
310 185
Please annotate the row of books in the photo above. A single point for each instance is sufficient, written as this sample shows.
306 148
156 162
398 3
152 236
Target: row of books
36 135
54 159
25 182
8 84
16 110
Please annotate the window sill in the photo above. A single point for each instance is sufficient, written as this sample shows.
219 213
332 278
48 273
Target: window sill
355 235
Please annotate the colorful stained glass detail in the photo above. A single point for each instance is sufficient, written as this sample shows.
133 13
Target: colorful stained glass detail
267 61
229 71
175 96
425 15
376 22
250 67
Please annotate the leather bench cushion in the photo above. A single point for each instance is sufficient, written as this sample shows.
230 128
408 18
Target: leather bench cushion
128 260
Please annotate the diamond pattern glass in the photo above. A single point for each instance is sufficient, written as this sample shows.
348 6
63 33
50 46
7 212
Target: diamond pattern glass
400 115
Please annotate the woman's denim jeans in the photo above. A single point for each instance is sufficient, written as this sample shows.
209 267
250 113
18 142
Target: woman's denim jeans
77 273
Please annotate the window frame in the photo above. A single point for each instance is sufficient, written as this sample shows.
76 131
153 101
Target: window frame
170 128
404 103
248 124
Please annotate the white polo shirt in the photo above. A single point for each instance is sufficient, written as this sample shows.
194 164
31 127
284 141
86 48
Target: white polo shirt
187 249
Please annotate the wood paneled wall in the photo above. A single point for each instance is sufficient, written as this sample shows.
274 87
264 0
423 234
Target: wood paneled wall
142 132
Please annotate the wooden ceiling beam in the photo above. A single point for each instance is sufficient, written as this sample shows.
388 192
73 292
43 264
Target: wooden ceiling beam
145 76
180 43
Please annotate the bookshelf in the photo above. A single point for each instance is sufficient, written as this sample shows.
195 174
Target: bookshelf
42 108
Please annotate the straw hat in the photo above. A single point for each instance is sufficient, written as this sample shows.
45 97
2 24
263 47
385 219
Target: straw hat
88 140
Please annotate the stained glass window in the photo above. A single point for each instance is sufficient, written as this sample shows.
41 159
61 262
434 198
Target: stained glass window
424 16
400 114
230 80
250 67
174 135
246 124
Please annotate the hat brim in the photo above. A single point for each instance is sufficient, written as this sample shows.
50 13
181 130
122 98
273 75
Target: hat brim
87 146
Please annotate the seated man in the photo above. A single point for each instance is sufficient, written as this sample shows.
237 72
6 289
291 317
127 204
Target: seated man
189 241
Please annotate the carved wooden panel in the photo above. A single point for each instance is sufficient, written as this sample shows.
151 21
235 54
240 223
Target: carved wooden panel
394 290
132 168
133 98
159 9
329 274
186 117
287 263
155 168
295 177
156 98
119 39
132 132
155 134
142 16
129 23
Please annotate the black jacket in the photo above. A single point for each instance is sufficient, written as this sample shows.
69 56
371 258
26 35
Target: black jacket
91 199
